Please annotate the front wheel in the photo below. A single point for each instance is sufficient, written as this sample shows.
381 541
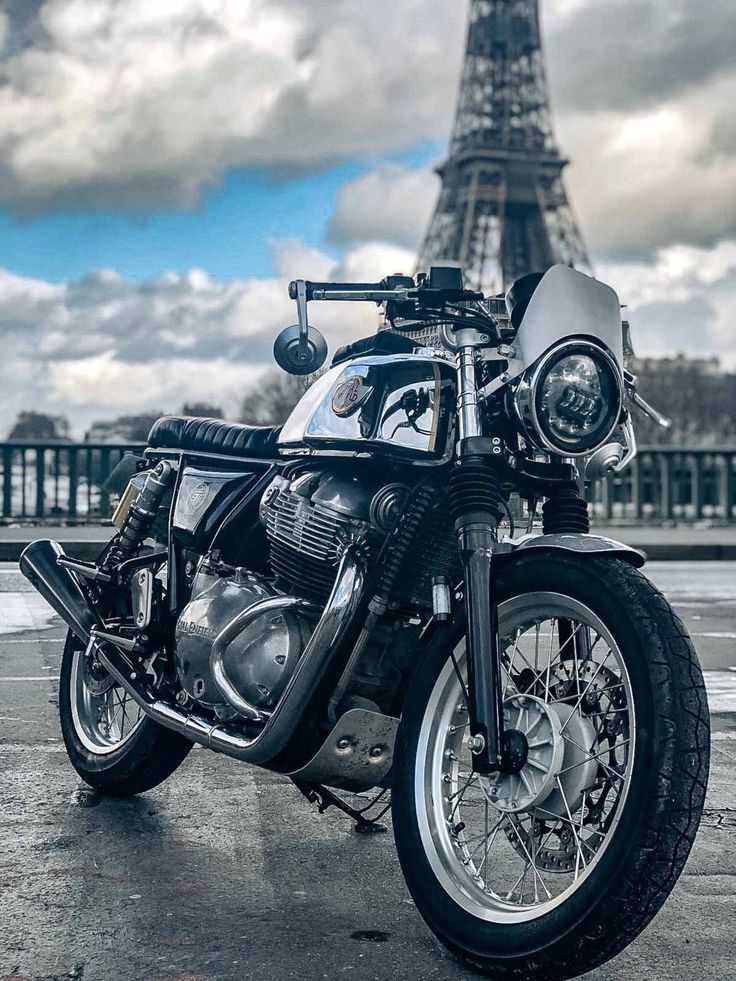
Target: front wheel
552 871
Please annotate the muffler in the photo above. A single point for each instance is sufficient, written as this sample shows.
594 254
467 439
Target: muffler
58 586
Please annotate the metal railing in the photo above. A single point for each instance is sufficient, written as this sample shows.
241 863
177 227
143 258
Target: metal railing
58 482
669 486
64 483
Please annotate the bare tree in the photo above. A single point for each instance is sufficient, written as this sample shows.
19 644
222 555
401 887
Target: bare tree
271 401
124 429
695 393
39 426
203 409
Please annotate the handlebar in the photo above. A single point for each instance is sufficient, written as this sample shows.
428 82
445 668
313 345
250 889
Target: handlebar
398 288
410 304
336 287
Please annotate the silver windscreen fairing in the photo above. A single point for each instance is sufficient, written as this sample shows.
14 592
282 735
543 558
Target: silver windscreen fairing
567 304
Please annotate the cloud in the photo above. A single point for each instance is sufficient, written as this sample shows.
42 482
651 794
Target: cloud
142 106
136 105
139 105
630 55
681 301
391 204
103 345
649 180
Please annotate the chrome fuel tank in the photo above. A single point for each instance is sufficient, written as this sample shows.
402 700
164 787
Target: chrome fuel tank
400 407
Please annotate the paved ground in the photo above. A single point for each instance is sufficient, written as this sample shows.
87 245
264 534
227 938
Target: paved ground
226 873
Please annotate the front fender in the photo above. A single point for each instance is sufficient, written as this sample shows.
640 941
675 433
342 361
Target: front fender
594 545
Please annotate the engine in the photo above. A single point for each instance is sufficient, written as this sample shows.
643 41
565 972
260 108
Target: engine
309 517
259 661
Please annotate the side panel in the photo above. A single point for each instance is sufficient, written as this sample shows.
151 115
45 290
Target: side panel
206 496
400 407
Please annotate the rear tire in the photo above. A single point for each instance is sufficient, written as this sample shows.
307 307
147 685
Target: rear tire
654 820
113 754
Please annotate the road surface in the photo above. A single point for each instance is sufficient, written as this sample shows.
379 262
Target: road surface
226 873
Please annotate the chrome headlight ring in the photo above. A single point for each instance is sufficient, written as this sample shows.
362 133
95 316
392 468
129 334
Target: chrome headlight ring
570 401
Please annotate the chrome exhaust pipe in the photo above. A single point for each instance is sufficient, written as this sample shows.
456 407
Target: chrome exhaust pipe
267 743
61 590
58 586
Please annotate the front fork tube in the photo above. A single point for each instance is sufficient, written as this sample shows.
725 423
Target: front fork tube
485 691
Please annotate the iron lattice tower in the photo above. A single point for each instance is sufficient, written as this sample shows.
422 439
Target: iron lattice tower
503 211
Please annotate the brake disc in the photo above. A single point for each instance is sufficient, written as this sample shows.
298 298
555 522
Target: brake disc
96 678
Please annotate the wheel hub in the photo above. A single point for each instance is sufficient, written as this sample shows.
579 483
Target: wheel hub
558 769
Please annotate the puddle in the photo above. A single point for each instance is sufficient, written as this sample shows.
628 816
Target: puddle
373 936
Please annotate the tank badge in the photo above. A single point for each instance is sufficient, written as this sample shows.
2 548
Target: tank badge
350 395
196 498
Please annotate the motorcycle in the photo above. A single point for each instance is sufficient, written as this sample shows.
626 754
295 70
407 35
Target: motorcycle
343 600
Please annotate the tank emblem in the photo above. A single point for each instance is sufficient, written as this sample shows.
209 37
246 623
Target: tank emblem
196 498
349 395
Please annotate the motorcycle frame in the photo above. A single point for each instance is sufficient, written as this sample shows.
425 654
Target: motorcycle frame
281 744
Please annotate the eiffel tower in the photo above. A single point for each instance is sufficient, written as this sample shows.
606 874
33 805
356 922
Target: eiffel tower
503 211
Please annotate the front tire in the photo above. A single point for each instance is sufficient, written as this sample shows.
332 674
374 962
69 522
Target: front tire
552 873
111 743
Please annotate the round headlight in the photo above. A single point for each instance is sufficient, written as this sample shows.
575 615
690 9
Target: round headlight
570 401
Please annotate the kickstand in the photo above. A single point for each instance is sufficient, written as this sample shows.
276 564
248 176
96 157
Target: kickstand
324 798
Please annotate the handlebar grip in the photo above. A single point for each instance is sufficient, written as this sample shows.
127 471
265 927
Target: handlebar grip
342 287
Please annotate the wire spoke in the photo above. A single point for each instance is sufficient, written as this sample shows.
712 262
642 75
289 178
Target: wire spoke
606 767
591 756
579 702
526 852
520 859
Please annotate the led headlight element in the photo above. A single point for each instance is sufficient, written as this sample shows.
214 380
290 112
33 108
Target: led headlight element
570 401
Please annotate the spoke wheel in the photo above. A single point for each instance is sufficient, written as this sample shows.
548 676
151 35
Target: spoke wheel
511 848
105 717
552 872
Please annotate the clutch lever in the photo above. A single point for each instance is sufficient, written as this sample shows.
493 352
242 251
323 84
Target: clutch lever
640 403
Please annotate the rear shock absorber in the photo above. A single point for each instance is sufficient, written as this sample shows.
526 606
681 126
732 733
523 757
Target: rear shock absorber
565 512
140 518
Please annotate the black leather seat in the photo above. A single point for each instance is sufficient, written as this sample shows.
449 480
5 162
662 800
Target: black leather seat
214 436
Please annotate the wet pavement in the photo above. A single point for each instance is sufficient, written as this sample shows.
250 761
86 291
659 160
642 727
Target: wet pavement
225 872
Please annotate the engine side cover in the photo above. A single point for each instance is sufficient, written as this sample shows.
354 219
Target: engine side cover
258 662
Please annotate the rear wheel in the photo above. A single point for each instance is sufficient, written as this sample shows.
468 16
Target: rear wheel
111 743
551 872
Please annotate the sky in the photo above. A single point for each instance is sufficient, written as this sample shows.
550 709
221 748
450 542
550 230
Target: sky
166 168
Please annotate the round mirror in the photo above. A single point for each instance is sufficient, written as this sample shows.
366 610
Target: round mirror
288 356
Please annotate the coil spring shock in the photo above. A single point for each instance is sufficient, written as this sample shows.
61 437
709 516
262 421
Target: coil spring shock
475 492
399 542
565 512
140 518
